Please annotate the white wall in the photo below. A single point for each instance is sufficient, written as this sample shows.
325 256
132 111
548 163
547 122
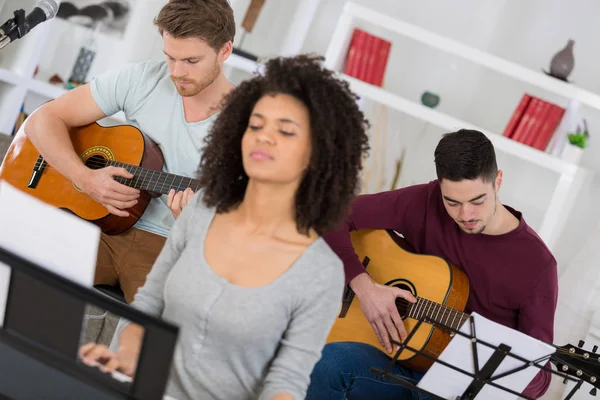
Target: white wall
527 32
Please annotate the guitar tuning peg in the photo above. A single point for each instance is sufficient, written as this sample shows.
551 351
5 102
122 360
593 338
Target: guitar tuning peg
595 348
593 391
581 343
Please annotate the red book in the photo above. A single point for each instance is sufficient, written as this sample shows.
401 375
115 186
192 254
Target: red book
351 55
381 61
549 127
372 59
522 128
516 116
534 111
540 116
355 53
366 56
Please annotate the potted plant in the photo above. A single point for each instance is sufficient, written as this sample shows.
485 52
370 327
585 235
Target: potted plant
573 149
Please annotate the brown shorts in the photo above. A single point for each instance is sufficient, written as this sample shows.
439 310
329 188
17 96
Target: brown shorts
126 259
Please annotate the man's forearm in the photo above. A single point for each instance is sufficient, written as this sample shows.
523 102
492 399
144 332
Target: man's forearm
50 136
130 338
360 281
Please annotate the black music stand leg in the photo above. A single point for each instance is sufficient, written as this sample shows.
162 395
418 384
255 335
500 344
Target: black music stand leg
575 389
486 372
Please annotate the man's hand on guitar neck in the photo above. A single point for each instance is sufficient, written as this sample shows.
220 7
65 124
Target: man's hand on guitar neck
177 200
378 304
100 185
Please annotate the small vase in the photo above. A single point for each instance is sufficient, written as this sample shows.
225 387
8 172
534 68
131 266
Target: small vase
571 153
563 62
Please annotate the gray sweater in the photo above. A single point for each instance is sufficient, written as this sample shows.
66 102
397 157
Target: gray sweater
240 343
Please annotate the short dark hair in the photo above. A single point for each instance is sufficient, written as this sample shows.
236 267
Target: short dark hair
338 141
209 20
465 154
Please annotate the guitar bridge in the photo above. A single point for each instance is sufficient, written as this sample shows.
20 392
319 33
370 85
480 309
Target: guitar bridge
39 167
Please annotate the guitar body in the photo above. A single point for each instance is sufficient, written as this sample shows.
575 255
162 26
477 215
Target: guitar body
389 261
125 144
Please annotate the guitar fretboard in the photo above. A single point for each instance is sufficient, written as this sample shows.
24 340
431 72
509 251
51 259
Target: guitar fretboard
154 181
426 309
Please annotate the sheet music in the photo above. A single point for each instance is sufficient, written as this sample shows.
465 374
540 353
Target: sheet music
448 383
61 242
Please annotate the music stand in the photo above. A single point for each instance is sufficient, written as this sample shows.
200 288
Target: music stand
481 376
41 342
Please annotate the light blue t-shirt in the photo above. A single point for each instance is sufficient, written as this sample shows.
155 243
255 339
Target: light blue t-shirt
151 103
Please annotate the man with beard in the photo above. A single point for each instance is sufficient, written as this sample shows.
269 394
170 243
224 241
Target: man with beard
174 102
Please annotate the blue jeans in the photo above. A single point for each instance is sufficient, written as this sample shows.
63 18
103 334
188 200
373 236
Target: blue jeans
344 373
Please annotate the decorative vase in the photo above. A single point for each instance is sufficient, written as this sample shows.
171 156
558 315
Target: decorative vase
563 62
571 153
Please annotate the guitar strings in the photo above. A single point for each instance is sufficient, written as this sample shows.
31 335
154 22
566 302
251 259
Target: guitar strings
146 179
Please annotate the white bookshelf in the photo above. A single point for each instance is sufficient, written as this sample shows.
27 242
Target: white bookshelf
50 91
19 59
570 177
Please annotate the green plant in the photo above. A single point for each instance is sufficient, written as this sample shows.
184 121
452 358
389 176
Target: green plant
579 137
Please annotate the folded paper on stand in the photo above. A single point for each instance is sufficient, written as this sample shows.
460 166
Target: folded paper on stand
52 238
450 384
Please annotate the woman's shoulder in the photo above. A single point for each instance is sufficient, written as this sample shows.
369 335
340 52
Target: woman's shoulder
324 261
197 204
195 210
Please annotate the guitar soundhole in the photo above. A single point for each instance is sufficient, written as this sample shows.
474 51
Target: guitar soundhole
401 303
95 162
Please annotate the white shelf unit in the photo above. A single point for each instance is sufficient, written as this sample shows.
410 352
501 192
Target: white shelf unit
570 176
19 59
50 91
10 105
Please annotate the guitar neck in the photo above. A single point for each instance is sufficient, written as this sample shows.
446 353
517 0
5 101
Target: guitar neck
154 181
425 309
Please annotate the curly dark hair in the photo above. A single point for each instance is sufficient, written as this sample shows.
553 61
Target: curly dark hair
338 139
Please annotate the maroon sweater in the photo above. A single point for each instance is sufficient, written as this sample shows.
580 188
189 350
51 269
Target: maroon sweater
513 276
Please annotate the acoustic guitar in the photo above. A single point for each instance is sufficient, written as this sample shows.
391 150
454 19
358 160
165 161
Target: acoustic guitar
441 290
122 146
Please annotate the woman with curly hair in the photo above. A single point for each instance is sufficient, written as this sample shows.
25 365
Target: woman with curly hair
245 272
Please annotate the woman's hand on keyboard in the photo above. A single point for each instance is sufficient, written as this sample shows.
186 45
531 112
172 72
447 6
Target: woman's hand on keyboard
108 361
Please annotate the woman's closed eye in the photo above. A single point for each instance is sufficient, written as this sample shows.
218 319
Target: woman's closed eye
257 128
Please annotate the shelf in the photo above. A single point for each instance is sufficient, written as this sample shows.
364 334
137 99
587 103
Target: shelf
45 89
571 177
12 78
239 62
445 121
490 61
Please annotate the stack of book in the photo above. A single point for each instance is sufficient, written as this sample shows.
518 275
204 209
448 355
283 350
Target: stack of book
367 57
534 121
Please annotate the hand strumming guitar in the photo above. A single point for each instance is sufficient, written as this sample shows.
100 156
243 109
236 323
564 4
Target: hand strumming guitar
100 185
378 304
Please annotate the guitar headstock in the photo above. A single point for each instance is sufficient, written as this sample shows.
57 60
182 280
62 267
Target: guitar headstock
579 363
